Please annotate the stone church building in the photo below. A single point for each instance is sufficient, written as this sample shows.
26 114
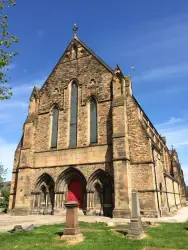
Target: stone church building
87 139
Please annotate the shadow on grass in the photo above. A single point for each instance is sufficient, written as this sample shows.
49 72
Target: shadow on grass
59 233
120 231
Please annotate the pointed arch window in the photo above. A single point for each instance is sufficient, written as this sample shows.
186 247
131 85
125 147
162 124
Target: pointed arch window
93 121
73 115
55 127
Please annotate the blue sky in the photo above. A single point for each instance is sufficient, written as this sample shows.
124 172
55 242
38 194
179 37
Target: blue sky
151 35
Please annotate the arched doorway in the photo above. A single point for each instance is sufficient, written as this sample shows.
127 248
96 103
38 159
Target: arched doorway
75 192
98 199
100 194
71 185
43 200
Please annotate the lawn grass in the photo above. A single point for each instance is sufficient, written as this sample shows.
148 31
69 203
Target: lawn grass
47 238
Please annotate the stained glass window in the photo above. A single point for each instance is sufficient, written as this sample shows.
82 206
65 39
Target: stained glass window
93 121
73 115
55 127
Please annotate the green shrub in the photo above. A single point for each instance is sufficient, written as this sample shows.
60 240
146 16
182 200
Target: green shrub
5 192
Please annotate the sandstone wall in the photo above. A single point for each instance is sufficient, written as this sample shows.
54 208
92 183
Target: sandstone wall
28 178
173 194
143 181
140 148
66 157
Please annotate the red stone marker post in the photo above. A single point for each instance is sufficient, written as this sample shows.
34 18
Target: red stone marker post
72 230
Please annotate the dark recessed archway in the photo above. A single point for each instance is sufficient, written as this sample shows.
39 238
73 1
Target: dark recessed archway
44 195
100 189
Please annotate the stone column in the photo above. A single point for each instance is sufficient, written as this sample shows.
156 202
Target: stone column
38 200
120 147
58 201
72 229
46 202
92 200
34 200
87 200
90 203
55 200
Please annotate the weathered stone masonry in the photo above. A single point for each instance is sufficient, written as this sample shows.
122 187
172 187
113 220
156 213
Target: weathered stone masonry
129 153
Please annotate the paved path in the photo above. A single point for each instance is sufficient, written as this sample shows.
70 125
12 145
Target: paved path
7 222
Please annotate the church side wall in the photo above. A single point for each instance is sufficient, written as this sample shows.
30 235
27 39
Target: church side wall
140 150
167 186
142 181
160 187
141 163
173 194
159 193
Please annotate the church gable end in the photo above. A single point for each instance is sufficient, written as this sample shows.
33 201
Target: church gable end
80 63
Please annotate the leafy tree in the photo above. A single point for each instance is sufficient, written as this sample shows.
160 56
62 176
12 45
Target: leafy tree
3 173
6 40
5 192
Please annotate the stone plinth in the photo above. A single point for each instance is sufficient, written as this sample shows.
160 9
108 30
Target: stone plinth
135 228
72 229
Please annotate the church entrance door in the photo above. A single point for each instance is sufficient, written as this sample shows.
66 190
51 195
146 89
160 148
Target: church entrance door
75 192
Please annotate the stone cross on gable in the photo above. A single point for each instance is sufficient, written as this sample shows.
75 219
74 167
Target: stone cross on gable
75 28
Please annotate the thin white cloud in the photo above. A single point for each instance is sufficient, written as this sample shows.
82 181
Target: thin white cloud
175 90
12 115
171 121
13 104
185 172
25 88
176 132
162 73
169 33
175 135
180 144
22 88
7 156
19 102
